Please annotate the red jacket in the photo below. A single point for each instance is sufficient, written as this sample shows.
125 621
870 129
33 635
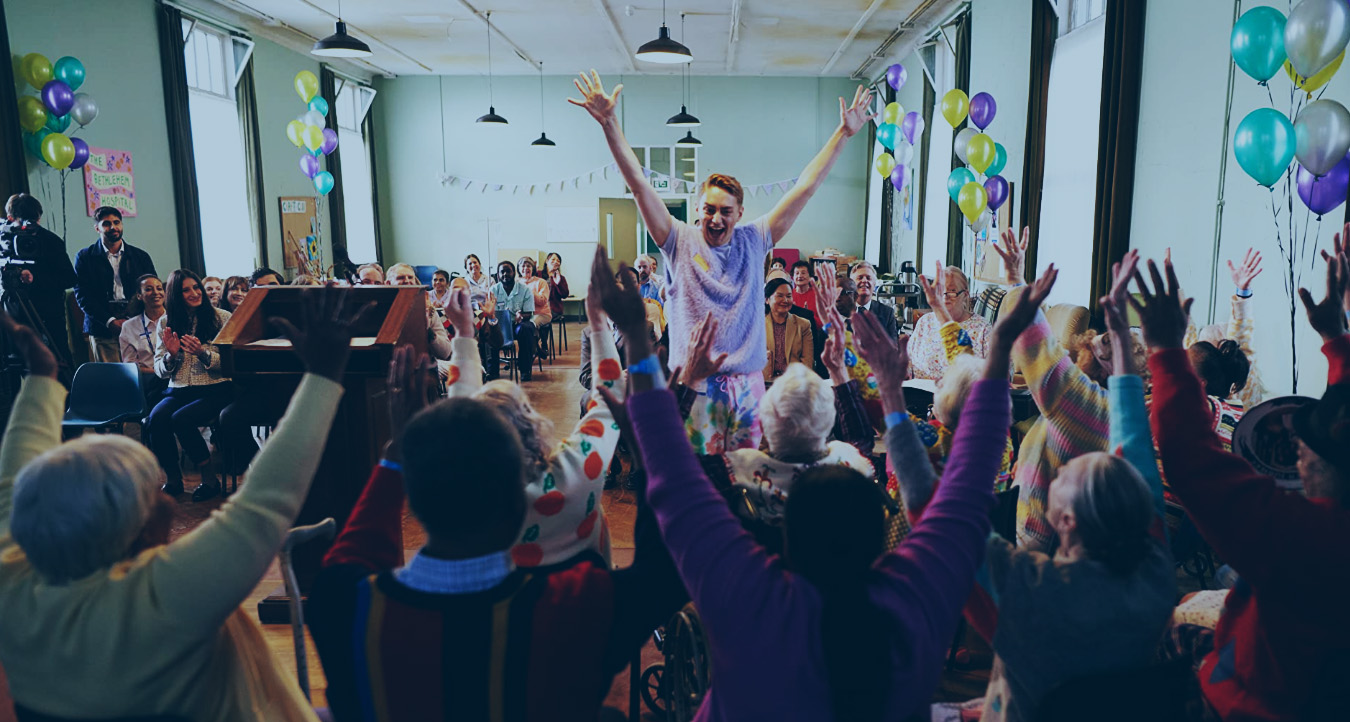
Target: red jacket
1285 621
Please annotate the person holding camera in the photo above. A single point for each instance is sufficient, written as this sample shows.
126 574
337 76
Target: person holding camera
36 272
106 283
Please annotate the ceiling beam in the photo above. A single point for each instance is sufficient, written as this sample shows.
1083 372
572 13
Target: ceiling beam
733 35
612 26
373 37
857 28
482 17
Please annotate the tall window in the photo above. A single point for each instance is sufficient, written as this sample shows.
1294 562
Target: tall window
353 102
941 62
215 61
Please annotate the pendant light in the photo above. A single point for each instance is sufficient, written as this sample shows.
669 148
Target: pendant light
683 119
340 44
663 49
491 116
688 140
543 141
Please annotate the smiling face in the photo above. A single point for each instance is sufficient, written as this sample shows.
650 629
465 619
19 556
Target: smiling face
526 269
473 266
801 279
192 292
152 294
109 229
866 279
957 299
236 294
440 282
720 214
781 300
506 273
553 263
213 290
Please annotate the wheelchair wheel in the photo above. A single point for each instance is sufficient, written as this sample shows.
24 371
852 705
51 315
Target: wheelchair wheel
653 691
686 675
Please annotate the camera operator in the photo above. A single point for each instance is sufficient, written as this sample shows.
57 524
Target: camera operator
36 273
106 283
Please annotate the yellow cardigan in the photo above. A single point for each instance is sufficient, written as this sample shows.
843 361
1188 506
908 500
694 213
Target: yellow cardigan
163 633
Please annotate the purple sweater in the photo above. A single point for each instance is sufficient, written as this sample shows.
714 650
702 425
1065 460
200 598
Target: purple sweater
763 621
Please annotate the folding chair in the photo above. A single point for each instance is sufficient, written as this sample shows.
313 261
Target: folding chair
104 396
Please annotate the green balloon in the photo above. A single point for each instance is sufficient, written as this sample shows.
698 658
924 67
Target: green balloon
1258 42
33 142
69 71
1264 145
958 180
58 123
1000 161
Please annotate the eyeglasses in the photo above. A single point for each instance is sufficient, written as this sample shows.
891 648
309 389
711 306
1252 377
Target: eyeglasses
952 295
848 293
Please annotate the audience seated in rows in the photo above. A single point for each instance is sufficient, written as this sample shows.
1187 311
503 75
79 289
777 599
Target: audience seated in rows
233 292
137 342
515 307
926 346
438 341
370 274
214 287
557 285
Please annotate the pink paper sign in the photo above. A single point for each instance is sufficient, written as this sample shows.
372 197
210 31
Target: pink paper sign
108 181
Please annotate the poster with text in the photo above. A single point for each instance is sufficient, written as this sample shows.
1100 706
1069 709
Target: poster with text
299 231
108 181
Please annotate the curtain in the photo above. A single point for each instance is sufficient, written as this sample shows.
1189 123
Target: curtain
247 99
956 225
887 203
14 176
1122 78
337 210
929 102
1044 30
186 200
368 134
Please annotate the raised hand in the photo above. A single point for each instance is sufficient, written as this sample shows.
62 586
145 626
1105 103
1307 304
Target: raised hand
1249 269
1115 306
827 294
1012 322
459 311
701 364
851 118
832 353
594 98
1164 311
406 392
889 360
1014 255
936 293
623 303
325 342
171 342
191 344
1328 316
39 359
1340 244
490 305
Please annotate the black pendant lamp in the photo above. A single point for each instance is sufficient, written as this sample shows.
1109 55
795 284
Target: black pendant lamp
664 49
543 141
491 116
683 119
340 44
688 140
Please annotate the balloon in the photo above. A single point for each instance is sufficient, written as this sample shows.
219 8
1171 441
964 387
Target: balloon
955 105
33 143
85 109
1323 195
36 69
1257 42
996 188
1000 160
1315 33
323 182
320 106
982 222
893 114
904 153
81 153
330 141
980 152
912 127
899 175
58 151
885 164
309 165
69 71
962 142
1322 136
972 200
982 110
314 117
57 123
295 132
1264 144
896 75
887 134
1310 84
959 179
31 113
313 137
306 85
58 97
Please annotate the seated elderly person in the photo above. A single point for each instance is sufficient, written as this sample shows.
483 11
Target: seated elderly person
370 274
926 348
788 336
438 341
515 308
102 619
864 275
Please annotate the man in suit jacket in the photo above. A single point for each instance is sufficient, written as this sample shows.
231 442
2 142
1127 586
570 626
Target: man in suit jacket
864 274
105 284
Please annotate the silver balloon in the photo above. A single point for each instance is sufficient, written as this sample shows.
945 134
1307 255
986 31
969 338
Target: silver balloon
1315 34
963 140
314 117
1322 131
982 222
904 153
84 110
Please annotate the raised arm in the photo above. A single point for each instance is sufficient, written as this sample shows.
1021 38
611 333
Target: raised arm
851 119
466 368
35 420
601 106
854 427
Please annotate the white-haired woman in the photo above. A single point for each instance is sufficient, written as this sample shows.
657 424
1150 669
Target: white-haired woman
102 619
927 349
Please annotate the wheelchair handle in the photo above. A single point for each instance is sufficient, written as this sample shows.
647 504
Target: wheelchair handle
325 529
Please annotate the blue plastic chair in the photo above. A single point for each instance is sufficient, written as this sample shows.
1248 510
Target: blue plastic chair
425 274
103 395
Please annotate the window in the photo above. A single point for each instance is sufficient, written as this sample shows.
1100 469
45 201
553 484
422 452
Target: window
353 102
215 61
940 58
670 163
1074 14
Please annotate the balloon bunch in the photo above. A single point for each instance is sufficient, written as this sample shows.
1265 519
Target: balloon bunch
47 117
898 132
978 200
309 132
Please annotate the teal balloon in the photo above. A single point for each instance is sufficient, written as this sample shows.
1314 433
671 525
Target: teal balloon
1000 161
887 133
1264 145
69 71
323 182
958 180
58 123
32 142
1258 43
320 106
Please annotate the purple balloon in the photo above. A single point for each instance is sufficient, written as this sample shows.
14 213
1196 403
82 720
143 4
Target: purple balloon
81 153
58 97
912 127
1323 195
896 75
899 176
982 110
309 165
329 141
997 190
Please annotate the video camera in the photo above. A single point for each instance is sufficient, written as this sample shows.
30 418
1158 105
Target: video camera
18 250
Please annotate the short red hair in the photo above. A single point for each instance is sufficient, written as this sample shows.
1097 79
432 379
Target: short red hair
726 183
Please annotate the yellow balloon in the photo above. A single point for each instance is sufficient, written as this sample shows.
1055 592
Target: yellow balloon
32 114
1308 85
295 132
36 69
980 152
972 200
306 85
58 151
885 164
313 137
955 105
893 114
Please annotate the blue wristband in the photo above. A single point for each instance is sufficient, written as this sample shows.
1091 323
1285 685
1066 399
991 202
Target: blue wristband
1243 293
391 465
650 366
895 418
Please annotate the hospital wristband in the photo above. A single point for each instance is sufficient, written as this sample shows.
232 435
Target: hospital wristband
895 418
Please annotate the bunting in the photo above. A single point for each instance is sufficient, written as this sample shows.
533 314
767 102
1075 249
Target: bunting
677 185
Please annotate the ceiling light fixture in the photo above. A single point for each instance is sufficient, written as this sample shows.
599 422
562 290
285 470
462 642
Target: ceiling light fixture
542 141
491 116
683 119
663 49
688 140
340 44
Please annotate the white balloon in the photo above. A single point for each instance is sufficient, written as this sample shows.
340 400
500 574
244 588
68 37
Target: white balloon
963 140
904 154
84 110
982 222
1322 133
314 117
1316 32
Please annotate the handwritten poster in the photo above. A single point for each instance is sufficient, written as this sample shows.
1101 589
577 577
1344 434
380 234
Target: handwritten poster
300 232
108 181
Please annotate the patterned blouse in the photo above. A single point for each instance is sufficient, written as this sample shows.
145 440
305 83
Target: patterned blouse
928 357
185 369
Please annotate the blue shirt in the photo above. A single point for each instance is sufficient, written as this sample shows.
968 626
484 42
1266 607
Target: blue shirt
519 300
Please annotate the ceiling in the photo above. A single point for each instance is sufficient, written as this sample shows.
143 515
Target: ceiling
728 37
